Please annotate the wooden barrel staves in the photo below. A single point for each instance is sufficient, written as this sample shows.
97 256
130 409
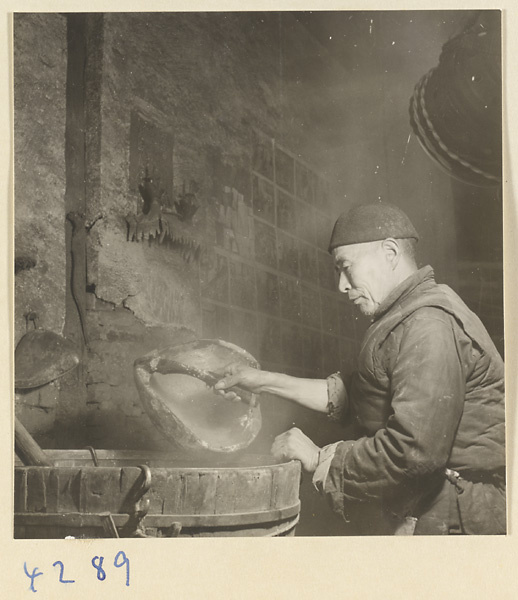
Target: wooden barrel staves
127 495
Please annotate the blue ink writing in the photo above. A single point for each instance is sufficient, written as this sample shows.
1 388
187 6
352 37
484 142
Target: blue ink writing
32 576
61 570
101 574
125 561
120 561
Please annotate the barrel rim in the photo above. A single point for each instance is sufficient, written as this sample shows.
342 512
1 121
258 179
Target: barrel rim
105 455
205 520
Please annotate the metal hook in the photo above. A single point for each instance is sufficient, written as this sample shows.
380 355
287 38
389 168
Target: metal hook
93 454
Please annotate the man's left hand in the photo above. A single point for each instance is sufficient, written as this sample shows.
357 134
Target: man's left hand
294 445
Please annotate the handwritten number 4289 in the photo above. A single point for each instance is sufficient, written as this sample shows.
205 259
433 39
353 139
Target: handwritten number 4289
121 560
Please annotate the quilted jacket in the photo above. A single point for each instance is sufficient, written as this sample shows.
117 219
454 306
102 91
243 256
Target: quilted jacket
427 395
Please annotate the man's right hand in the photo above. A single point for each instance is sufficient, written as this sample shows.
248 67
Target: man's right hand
311 393
240 375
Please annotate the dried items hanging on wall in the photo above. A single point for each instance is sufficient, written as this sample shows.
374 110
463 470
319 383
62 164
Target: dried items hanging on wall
164 224
162 216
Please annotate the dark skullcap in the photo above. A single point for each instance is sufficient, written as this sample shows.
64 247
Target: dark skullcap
370 223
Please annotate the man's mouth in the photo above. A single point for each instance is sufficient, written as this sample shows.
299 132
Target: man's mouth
356 298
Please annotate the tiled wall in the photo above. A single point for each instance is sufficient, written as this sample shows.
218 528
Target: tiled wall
269 285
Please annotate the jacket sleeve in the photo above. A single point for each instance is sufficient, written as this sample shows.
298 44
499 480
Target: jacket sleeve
428 387
337 398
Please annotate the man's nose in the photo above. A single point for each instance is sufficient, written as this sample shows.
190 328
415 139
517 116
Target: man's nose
344 285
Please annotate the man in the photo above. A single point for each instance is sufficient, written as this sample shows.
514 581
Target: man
428 394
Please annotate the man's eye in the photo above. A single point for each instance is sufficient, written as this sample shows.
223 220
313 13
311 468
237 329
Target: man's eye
342 269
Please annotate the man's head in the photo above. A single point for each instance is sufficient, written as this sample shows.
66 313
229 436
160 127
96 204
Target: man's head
373 246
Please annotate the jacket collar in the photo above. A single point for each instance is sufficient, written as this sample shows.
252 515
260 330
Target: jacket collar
404 289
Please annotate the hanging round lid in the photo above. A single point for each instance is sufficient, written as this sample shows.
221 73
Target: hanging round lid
42 356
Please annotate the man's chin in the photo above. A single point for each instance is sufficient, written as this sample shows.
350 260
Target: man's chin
368 309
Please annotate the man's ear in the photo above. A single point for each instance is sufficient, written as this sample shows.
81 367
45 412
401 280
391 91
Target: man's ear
392 251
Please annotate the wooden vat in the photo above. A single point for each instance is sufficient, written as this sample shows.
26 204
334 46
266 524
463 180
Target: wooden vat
129 494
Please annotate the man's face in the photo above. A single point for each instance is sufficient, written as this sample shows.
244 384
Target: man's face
365 274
